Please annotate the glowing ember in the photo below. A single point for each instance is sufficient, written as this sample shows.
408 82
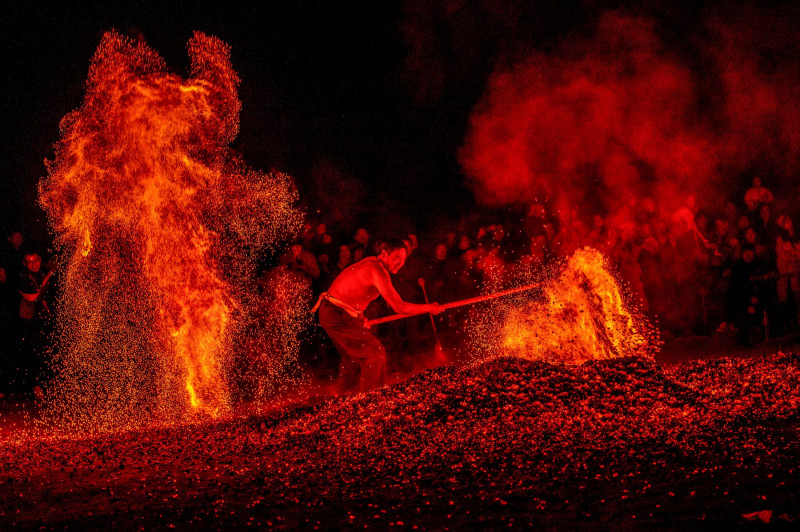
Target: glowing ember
718 438
148 205
580 316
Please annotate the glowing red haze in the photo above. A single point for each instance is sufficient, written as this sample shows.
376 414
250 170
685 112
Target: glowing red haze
606 120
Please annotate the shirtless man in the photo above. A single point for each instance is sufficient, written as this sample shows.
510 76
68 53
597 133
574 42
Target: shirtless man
341 311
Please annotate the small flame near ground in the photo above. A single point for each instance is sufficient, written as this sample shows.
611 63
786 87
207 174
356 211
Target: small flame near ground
159 225
580 314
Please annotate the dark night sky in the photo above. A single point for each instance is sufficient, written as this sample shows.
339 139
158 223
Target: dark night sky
318 83
322 82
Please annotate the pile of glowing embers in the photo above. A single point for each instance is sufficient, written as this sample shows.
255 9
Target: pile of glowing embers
507 441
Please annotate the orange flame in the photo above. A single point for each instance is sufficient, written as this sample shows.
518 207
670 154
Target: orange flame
582 317
87 244
144 168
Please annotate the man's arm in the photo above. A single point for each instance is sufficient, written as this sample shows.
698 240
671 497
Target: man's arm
383 283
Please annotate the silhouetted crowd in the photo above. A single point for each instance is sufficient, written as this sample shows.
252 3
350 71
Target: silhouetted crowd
696 271
732 271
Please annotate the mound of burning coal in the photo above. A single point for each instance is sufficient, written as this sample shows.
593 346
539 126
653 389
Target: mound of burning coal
512 409
498 427
512 413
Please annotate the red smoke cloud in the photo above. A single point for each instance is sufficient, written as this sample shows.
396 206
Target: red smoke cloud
605 120
755 55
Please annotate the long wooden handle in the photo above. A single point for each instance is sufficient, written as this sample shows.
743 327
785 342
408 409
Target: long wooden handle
454 304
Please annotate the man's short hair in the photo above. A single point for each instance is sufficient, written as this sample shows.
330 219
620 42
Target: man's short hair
392 244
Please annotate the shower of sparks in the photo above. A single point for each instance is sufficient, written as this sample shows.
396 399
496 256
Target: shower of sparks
268 364
580 315
159 225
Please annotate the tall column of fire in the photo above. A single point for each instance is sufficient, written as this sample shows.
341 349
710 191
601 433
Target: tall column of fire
148 204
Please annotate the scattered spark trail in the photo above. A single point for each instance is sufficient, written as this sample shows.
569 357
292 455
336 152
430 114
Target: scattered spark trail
268 365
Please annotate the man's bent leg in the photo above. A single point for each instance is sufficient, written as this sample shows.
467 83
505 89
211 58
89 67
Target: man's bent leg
363 356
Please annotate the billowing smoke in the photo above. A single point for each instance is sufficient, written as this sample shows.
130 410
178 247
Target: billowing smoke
603 121
755 57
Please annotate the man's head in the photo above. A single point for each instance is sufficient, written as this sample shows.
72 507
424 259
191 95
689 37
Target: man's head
750 236
32 261
393 255
344 254
362 236
441 251
756 182
15 239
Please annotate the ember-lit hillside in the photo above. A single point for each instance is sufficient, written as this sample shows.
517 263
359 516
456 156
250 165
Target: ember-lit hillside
613 443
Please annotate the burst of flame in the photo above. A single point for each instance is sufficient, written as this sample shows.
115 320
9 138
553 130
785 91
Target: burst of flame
145 169
87 244
582 316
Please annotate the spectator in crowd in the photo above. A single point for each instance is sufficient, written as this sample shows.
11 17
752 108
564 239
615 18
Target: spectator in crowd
344 260
464 244
33 308
360 247
724 237
301 261
321 241
787 252
765 226
743 224
752 296
757 195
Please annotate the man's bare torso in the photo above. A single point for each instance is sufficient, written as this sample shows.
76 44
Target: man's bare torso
356 284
